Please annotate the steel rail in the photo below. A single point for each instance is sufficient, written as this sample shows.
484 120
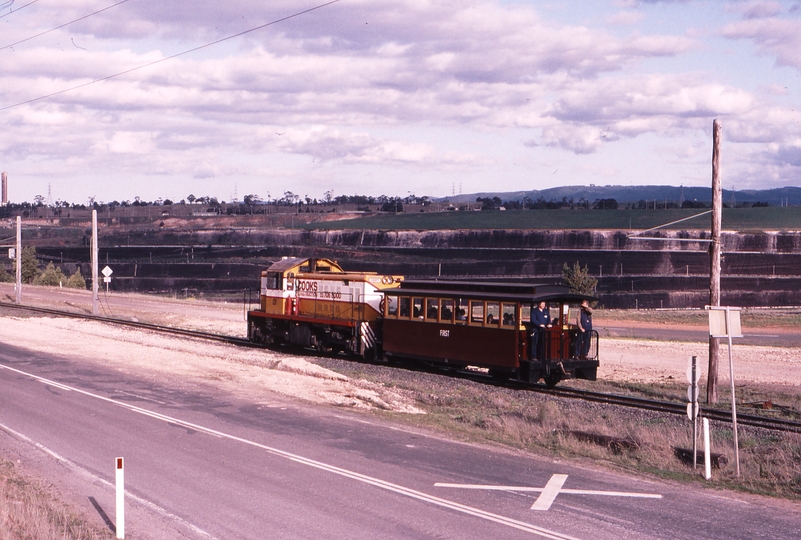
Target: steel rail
136 324
776 424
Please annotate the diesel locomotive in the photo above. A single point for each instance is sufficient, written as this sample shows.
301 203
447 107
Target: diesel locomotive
314 303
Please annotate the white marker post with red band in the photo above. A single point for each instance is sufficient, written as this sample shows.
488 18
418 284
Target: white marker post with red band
120 498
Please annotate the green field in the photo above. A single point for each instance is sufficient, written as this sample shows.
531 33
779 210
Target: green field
786 218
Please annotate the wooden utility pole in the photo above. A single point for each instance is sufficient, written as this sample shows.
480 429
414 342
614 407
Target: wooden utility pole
18 288
94 263
714 262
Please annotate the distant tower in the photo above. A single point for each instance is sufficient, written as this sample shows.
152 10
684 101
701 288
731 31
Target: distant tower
5 188
49 200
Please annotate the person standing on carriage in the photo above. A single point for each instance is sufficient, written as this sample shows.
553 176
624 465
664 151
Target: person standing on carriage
584 323
540 320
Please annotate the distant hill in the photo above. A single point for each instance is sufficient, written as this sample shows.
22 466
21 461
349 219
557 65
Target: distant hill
633 194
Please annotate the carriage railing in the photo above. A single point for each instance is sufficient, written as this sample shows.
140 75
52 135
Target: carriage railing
562 344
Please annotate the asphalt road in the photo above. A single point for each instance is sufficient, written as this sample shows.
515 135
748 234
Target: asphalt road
200 465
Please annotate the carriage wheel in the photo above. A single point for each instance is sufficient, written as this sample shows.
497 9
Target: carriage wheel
552 380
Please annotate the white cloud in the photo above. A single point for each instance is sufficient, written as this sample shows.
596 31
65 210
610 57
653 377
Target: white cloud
775 37
625 18
359 85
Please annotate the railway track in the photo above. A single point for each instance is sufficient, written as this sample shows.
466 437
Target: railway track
761 421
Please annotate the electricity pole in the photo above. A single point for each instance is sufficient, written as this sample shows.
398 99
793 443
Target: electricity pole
94 262
714 260
18 296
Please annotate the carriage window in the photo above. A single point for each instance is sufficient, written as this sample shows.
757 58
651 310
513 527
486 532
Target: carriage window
493 313
525 314
461 310
477 312
405 304
508 316
432 309
392 306
417 308
446 310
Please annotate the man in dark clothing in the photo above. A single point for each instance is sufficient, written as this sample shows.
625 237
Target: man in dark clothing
584 323
540 320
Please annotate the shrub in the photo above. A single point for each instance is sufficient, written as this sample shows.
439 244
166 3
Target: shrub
30 265
76 280
51 276
579 279
5 277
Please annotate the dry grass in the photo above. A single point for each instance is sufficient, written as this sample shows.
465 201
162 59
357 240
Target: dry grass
29 510
770 462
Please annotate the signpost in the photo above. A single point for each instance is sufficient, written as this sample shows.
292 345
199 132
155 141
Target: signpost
107 276
724 322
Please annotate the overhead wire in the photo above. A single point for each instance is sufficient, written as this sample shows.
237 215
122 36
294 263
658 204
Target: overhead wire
61 25
176 55
11 2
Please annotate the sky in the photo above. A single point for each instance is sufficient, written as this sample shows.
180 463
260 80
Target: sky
113 100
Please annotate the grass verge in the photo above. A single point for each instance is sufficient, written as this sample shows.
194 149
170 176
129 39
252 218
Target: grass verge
31 510
541 424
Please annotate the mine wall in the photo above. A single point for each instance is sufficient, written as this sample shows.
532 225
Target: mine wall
758 269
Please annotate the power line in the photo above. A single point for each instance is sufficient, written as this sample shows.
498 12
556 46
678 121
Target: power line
10 2
61 25
194 49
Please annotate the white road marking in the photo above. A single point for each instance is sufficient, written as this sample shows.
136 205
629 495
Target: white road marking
94 478
382 484
137 396
526 488
59 386
549 493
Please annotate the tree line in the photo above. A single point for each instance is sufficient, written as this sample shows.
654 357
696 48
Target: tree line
32 275
253 203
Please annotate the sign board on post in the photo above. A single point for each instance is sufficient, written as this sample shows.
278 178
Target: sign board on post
719 327
12 253
724 322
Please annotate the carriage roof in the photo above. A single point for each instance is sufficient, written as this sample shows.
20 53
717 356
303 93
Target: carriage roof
493 290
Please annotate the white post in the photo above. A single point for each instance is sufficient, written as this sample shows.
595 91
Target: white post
94 262
18 296
733 403
693 408
707 457
120 499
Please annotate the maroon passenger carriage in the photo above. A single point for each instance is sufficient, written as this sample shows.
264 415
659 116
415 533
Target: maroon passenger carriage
486 324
